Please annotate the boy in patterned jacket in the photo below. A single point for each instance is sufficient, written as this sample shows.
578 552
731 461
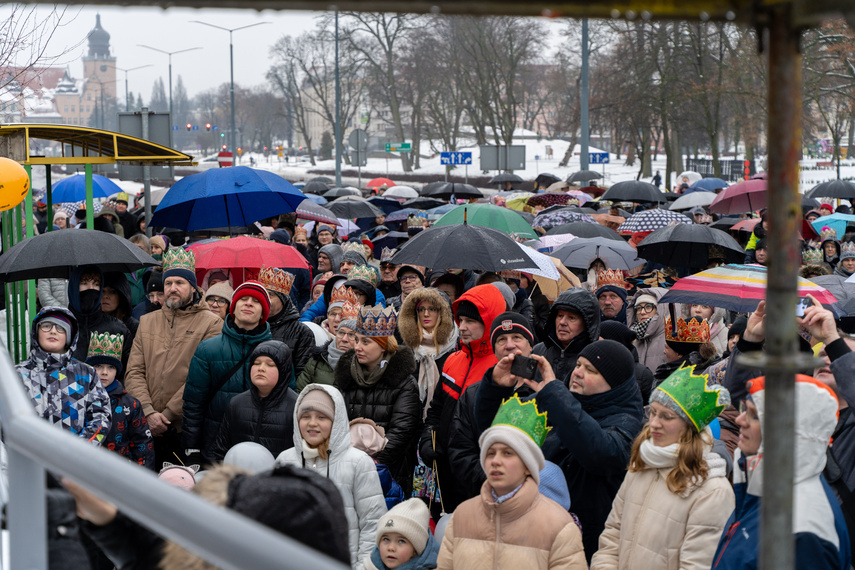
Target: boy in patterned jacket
64 391
129 435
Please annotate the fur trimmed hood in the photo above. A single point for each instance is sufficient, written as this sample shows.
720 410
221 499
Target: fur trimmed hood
408 317
398 368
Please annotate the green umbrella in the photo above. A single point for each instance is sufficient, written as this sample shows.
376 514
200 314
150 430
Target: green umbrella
488 216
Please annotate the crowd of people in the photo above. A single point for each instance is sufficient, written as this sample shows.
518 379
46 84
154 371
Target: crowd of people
397 416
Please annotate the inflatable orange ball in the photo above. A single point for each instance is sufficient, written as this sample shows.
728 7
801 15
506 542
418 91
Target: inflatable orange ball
14 184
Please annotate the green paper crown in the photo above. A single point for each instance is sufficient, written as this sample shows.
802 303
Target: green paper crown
363 272
698 401
179 258
524 417
106 344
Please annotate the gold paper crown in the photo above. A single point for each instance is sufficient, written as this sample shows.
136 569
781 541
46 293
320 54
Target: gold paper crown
812 257
377 321
614 278
387 254
827 234
417 219
106 345
344 295
693 330
847 250
523 416
812 244
363 272
276 279
179 258
356 246
349 310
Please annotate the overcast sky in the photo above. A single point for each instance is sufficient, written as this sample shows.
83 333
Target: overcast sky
171 30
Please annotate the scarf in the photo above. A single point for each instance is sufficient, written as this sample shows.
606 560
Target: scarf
357 371
333 353
658 457
426 355
309 452
841 272
640 328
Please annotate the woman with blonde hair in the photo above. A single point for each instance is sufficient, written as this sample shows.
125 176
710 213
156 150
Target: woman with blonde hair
675 501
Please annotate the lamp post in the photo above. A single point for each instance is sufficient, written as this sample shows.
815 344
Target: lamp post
170 54
232 70
127 97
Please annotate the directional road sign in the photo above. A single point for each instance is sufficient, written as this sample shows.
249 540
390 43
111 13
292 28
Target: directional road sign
598 158
399 147
455 158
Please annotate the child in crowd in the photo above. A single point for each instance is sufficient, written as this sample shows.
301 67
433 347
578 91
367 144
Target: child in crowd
129 435
404 540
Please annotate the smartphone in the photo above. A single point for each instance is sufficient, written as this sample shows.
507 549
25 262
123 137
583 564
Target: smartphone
524 367
803 304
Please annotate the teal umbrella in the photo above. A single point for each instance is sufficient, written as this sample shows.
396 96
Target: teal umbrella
488 216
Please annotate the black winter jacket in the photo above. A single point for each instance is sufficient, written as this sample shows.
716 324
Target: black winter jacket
286 326
393 403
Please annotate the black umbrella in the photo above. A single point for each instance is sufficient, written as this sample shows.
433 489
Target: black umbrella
464 246
347 207
453 188
725 223
314 187
322 179
431 187
423 203
585 230
584 176
833 189
544 180
339 192
809 204
505 177
388 205
633 191
55 254
621 212
689 245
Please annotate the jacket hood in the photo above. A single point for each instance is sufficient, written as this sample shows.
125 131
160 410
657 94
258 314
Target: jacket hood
340 433
408 317
35 350
335 253
74 285
579 301
716 318
289 311
119 282
281 354
365 288
658 324
490 304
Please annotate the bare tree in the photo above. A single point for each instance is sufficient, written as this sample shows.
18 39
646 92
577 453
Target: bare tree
286 78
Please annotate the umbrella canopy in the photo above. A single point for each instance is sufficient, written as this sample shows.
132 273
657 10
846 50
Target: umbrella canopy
650 220
73 188
725 223
545 267
707 185
833 189
439 211
423 203
402 215
380 183
549 199
453 188
691 175
554 287
315 187
584 176
689 245
558 186
739 288
308 210
157 195
226 197
745 225
464 246
634 191
518 200
693 200
322 179
547 244
388 205
503 177
837 285
404 192
545 180
837 222
431 186
551 219
348 207
581 251
246 252
489 216
745 196
343 191
584 230
314 198
55 254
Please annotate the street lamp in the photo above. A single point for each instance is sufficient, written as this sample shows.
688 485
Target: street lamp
170 54
232 68
127 97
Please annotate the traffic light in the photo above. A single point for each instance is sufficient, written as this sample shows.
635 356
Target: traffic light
189 126
224 147
208 126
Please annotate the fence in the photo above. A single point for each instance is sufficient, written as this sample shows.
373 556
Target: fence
731 170
218 535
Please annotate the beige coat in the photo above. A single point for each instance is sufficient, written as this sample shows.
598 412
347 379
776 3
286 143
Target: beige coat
527 531
651 527
161 354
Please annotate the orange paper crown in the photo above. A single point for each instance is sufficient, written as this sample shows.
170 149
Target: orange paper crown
344 295
693 330
350 310
614 278
275 279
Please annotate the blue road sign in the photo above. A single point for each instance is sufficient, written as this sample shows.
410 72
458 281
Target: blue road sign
215 128
174 127
598 158
455 158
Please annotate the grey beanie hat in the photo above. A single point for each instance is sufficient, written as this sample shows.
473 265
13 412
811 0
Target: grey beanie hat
505 290
334 252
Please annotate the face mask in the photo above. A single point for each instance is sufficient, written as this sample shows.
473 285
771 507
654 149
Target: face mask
90 300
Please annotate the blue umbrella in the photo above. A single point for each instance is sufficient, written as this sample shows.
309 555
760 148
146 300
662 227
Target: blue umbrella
837 222
707 185
440 210
319 200
388 205
73 188
402 215
226 197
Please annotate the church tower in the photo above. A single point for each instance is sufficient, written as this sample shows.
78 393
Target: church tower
99 67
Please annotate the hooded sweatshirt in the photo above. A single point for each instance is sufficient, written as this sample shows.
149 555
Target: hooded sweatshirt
335 253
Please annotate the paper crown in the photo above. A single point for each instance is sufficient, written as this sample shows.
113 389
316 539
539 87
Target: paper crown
363 272
704 219
106 345
122 197
827 234
350 310
699 402
813 244
417 219
523 416
376 321
615 278
356 246
812 256
694 330
847 250
275 279
344 295
179 258
511 274
386 255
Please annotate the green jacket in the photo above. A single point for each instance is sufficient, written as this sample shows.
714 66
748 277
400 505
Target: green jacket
316 371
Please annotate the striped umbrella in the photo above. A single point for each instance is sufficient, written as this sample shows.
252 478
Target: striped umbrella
651 220
736 287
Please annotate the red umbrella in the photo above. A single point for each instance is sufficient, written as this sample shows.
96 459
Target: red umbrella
746 225
245 252
380 183
745 196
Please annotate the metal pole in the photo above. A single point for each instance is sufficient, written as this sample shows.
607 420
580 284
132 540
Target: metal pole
232 89
583 99
27 512
170 92
337 110
127 97
146 177
90 206
49 197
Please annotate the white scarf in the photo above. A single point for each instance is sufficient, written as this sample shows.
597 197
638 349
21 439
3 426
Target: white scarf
659 457
425 355
309 452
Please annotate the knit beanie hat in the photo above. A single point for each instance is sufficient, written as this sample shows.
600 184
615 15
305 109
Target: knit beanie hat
517 440
509 323
354 257
613 330
645 298
505 290
58 319
409 519
158 241
317 401
221 289
553 485
611 359
466 308
255 290
155 282
738 327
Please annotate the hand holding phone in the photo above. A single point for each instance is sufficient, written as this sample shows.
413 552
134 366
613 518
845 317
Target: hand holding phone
803 304
524 367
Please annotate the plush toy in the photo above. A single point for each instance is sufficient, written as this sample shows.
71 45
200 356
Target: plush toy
179 475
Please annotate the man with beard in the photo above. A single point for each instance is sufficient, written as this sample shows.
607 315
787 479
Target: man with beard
163 347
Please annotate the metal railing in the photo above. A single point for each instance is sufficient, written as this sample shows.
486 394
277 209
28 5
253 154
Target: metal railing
220 536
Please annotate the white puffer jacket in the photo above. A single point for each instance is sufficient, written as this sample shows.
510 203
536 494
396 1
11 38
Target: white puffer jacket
353 472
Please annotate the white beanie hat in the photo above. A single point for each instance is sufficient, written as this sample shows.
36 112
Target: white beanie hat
517 440
410 519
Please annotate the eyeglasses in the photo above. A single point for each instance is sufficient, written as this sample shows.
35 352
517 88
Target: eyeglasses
650 413
343 334
423 310
217 301
645 308
47 327
409 277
